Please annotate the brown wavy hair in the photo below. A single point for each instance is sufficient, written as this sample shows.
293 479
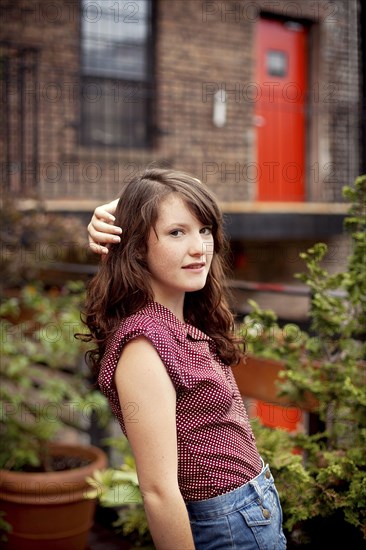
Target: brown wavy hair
121 287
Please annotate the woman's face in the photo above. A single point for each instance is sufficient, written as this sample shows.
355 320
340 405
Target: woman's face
179 252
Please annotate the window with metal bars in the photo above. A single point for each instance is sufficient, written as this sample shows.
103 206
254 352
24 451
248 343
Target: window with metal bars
116 73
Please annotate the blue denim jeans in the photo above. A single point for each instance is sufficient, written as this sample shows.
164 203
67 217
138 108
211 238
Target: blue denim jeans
248 518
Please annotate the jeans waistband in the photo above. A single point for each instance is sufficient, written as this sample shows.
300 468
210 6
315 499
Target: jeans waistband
232 501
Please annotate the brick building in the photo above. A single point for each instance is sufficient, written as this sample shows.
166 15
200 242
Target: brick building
261 99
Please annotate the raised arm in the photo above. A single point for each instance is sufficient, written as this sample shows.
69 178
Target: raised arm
101 229
144 384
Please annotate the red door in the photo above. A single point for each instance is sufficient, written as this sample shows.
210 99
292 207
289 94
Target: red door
279 118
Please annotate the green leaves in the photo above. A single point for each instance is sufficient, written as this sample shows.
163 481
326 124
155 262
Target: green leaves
45 386
328 364
265 338
115 487
119 488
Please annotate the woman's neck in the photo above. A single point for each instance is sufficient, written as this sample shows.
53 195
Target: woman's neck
173 303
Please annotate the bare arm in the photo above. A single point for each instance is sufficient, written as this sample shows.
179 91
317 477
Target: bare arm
101 229
142 379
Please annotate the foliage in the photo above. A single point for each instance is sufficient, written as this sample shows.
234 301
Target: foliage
328 479
34 240
5 528
265 338
45 385
277 448
118 488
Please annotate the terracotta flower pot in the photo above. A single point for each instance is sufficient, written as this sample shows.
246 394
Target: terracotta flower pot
257 380
48 510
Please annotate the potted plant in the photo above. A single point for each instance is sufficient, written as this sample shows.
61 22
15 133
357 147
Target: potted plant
321 477
45 394
258 375
118 489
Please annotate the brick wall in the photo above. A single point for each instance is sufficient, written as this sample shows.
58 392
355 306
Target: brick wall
200 47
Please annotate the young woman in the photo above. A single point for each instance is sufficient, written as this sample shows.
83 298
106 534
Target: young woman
158 315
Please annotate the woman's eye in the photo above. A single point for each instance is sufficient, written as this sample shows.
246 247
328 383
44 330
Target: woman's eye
206 230
176 232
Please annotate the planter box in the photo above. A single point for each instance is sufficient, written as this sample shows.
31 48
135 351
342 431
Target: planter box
257 379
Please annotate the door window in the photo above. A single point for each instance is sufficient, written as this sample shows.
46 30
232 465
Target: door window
276 63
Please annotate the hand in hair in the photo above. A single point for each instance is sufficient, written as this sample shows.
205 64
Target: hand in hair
101 229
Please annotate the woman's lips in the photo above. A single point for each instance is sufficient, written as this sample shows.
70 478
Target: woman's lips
196 266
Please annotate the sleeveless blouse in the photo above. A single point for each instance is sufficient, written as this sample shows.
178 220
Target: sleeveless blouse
216 446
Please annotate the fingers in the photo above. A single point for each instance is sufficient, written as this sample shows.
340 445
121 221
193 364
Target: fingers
98 248
101 234
106 211
101 229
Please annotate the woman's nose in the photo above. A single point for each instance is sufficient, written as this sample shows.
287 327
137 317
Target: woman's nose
198 246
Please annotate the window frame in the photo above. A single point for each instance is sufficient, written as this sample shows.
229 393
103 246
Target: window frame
148 83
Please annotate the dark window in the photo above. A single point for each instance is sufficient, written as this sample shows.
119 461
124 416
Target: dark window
276 62
116 72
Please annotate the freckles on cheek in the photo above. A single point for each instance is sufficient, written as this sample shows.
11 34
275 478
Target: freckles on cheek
166 259
161 257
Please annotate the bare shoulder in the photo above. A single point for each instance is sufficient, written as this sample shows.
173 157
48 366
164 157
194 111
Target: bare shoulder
137 350
139 360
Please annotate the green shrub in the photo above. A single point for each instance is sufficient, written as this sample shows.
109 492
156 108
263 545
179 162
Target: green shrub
328 478
45 384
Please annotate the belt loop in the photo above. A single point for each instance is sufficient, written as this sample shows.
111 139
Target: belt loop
257 488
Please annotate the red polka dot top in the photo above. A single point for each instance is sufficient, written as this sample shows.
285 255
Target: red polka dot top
216 447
